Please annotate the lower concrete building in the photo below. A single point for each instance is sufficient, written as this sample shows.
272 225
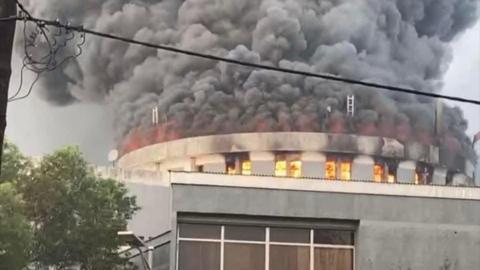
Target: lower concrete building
288 203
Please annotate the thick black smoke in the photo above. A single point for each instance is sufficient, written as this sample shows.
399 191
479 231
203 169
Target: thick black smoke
397 42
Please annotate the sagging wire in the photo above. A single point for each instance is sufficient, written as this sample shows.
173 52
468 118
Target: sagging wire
43 49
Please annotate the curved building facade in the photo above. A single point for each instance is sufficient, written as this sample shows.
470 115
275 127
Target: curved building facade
302 201
302 154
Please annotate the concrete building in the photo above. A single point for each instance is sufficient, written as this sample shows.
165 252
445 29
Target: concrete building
306 201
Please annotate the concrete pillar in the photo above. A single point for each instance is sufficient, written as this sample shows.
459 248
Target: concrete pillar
460 179
211 163
263 163
406 172
313 164
362 168
439 176
469 169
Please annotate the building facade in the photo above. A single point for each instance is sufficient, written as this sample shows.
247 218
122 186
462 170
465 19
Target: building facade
292 200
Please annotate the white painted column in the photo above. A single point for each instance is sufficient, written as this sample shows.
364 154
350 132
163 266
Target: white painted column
263 163
406 172
362 168
439 176
313 164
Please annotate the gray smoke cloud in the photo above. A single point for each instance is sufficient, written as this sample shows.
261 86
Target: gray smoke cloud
397 42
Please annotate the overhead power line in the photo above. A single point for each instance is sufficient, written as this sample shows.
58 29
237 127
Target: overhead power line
243 63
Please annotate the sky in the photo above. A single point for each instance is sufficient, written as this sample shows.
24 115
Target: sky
39 128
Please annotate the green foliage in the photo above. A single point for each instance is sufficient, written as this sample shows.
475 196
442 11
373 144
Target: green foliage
75 215
15 230
14 164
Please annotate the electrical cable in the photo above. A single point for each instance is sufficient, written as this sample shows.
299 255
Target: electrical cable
253 65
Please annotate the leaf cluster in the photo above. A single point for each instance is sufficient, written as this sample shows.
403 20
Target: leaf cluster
74 215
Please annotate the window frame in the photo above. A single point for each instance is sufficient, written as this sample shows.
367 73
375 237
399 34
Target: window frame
289 158
267 243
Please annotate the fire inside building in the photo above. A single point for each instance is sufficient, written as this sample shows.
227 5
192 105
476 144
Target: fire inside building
302 200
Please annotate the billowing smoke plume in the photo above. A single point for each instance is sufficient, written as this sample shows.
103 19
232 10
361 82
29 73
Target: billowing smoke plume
397 42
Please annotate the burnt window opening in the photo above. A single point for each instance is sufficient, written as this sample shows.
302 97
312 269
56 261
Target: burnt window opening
379 170
385 171
230 164
200 168
449 178
238 164
338 167
288 164
391 173
423 174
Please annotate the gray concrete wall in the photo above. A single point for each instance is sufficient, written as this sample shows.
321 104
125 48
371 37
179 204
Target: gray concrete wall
397 233
154 217
417 246
315 169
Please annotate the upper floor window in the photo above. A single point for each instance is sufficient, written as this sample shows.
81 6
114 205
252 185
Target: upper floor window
423 174
338 167
288 165
238 164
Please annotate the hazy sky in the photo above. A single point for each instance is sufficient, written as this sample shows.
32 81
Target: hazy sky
38 128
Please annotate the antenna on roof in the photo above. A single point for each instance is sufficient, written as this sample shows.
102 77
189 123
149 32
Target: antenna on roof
351 105
155 115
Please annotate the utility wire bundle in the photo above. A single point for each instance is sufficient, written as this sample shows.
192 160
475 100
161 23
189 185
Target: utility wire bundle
43 50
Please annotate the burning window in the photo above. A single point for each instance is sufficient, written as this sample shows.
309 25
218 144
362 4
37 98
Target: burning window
295 168
238 164
331 169
338 168
423 174
230 163
392 172
246 167
288 165
280 168
346 170
379 172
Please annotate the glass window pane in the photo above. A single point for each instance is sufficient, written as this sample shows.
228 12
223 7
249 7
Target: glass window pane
289 258
200 231
161 257
331 237
245 233
244 257
333 259
198 256
290 235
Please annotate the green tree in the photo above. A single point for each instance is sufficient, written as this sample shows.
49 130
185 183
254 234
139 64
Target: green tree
14 164
76 216
15 230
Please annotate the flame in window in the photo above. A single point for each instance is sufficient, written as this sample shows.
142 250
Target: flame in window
378 172
231 169
246 167
346 170
391 178
295 168
281 168
331 169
